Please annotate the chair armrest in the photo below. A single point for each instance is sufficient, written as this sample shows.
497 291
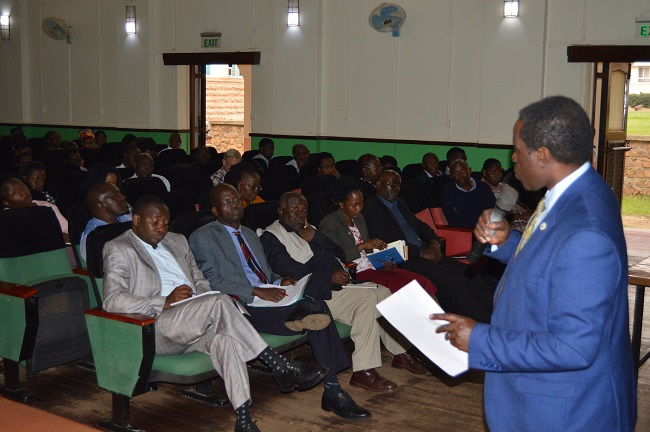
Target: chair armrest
80 271
124 347
18 320
16 290
459 240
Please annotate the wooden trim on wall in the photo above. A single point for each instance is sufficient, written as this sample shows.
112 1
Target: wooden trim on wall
607 53
238 57
384 140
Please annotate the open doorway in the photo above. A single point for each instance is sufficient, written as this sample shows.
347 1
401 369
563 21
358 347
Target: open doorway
227 107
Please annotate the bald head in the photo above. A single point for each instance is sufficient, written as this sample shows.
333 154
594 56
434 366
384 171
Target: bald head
227 205
389 184
300 153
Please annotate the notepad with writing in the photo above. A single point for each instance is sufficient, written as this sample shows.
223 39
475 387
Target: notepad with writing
408 311
394 252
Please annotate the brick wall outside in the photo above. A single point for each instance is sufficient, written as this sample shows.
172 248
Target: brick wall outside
225 113
637 168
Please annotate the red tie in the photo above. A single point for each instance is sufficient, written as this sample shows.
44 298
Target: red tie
250 259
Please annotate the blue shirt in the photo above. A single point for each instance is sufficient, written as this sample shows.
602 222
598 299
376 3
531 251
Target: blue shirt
409 232
250 274
91 225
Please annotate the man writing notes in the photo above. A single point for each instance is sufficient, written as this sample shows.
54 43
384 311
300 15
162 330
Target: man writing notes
557 352
149 269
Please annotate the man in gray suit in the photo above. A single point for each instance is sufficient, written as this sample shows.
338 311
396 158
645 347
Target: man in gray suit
232 259
148 269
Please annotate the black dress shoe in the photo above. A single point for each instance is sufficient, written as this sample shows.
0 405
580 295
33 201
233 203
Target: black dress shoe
307 317
250 427
343 405
301 376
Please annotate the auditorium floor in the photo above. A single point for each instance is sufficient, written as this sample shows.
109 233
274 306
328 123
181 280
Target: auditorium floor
422 403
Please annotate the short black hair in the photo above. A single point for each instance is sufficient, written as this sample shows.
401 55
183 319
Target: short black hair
265 142
233 177
455 153
490 162
561 125
342 188
145 202
26 170
388 159
323 156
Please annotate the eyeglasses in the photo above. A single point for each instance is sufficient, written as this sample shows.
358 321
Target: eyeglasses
253 188
229 202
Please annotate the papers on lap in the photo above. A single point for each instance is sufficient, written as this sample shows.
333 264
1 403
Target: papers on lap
408 311
294 293
367 285
189 299
394 252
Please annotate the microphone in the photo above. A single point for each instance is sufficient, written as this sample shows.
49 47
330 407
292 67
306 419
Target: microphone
505 202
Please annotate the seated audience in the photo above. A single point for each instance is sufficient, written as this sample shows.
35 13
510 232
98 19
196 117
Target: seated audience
347 228
233 261
52 140
262 159
464 199
144 169
68 145
453 154
174 142
130 140
108 206
300 154
87 139
326 165
22 147
23 159
430 165
128 156
492 174
16 130
231 157
294 247
15 194
246 179
100 173
100 138
389 218
201 156
148 145
35 175
369 167
388 162
73 157
147 269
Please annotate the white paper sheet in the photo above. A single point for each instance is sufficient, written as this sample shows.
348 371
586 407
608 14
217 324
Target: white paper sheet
294 293
195 297
408 311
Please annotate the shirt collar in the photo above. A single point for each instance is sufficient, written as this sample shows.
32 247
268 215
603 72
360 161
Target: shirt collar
552 195
471 179
387 203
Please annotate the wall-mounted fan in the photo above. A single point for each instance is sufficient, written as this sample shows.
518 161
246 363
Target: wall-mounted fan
56 28
387 17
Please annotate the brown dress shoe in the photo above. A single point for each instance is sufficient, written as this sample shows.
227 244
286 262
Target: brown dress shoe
370 379
410 363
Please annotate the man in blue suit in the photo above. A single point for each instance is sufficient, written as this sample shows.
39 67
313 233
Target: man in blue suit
557 352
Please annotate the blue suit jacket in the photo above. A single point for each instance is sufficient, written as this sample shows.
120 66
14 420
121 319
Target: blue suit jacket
557 352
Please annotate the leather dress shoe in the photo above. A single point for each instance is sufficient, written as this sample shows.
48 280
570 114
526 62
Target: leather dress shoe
370 379
343 405
301 376
250 427
307 317
410 363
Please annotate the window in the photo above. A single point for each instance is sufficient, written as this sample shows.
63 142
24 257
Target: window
644 74
233 71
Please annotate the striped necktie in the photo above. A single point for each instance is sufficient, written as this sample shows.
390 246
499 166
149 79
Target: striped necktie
250 259
532 222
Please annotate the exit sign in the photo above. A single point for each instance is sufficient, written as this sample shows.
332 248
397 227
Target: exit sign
642 28
211 40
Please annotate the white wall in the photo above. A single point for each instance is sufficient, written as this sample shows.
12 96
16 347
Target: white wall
458 72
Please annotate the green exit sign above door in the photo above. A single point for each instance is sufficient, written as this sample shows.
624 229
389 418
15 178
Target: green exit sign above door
642 26
211 40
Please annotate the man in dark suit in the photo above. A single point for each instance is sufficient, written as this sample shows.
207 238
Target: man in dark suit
148 269
557 353
389 218
233 261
